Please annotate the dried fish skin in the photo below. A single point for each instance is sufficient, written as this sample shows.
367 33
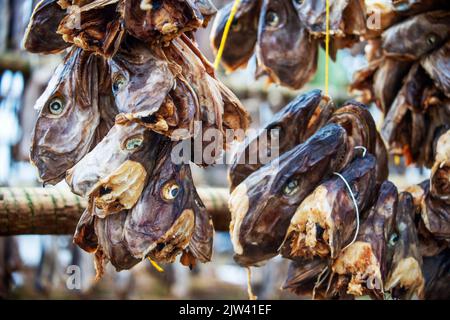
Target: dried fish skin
365 261
97 26
67 122
111 240
161 21
326 220
115 172
313 14
41 36
381 154
440 173
437 66
263 204
413 7
387 81
85 236
285 50
417 36
405 279
242 36
163 221
436 216
301 111
360 126
141 79
436 271
235 116
302 276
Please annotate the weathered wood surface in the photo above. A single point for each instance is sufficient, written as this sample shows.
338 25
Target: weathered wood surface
56 211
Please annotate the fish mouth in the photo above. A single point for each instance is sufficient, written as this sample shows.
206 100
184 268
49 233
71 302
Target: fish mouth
310 231
239 205
360 264
120 190
407 279
174 241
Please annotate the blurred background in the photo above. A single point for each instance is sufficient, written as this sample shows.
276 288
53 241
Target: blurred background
36 267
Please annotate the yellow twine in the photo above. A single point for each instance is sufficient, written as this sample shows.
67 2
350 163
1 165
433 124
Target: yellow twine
155 265
327 48
225 33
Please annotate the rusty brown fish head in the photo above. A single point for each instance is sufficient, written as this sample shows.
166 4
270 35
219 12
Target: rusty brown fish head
68 117
263 204
141 80
115 172
242 36
285 49
162 222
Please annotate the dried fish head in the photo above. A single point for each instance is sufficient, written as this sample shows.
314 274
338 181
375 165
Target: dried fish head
163 221
242 36
285 49
115 172
405 279
294 124
41 36
141 80
263 204
440 173
68 117
418 35
326 220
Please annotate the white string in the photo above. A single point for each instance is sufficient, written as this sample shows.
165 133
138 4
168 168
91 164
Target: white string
319 281
356 209
364 150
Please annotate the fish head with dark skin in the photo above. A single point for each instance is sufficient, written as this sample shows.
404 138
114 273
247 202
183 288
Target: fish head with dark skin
115 172
68 117
416 36
263 204
285 50
405 279
242 36
141 79
291 125
162 222
41 36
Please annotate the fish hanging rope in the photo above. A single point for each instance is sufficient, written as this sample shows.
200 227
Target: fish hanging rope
225 33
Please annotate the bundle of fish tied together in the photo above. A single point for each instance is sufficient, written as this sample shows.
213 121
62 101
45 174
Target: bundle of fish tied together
132 86
408 76
285 35
342 243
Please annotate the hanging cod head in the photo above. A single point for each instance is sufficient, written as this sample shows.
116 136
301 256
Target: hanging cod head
263 204
293 124
115 172
169 217
68 116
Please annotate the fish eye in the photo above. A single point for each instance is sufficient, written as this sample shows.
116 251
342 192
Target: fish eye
272 19
393 239
118 83
170 191
431 40
56 106
298 2
134 143
235 25
291 187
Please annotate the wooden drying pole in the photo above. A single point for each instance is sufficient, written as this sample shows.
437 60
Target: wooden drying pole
53 211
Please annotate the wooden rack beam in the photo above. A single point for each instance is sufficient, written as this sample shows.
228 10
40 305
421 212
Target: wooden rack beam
52 211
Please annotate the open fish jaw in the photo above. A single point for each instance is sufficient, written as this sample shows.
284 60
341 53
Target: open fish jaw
407 275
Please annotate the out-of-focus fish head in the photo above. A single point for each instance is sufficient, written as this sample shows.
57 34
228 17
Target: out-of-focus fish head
263 204
285 49
141 80
68 117
242 35
163 221
115 172
417 36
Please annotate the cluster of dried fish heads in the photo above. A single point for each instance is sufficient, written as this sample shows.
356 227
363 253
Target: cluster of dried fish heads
132 86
